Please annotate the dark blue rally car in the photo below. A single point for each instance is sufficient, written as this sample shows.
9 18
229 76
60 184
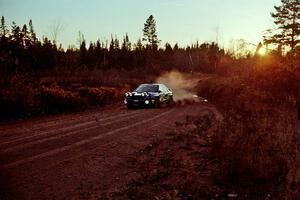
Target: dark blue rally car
153 95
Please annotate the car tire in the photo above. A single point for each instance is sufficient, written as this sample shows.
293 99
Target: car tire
157 102
171 102
129 107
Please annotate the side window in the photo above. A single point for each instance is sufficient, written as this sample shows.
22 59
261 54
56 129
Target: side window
161 88
167 89
164 89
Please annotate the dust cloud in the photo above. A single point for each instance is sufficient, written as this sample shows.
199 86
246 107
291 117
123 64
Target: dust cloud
182 85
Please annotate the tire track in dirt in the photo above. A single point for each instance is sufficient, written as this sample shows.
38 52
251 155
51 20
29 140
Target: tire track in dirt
23 150
67 130
17 132
9 128
162 123
77 129
81 142
165 123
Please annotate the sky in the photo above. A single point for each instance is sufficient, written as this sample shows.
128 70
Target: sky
177 21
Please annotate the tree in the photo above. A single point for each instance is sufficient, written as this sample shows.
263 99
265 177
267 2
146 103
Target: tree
126 45
168 47
112 44
287 19
32 34
25 36
150 34
83 52
16 34
98 46
3 29
117 43
91 47
259 46
139 45
80 38
55 29
176 47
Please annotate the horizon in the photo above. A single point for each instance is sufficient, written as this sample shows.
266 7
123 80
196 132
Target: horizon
206 21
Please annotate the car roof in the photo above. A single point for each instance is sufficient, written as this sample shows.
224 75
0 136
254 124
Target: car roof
153 84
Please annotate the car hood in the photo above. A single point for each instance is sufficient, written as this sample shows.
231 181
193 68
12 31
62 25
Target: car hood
140 93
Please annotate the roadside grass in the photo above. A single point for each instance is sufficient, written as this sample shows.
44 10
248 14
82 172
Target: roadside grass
257 146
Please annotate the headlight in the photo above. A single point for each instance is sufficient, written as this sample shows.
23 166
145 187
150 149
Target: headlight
126 94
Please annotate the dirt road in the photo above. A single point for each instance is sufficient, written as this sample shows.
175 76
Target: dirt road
80 156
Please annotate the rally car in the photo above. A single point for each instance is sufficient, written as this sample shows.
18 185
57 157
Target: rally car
150 95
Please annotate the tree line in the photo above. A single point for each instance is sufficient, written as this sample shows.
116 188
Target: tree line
21 51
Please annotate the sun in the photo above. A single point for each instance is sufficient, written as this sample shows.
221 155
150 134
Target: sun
262 51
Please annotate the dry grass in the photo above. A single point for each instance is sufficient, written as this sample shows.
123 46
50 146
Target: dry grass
22 96
257 146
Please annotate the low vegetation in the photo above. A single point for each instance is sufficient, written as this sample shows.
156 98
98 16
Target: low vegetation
23 97
257 146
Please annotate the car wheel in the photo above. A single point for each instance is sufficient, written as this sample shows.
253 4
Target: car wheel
129 106
171 101
157 103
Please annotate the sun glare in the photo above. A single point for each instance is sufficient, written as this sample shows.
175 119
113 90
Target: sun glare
262 51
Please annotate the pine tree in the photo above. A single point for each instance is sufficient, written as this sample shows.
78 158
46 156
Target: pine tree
32 34
139 45
176 47
112 44
91 47
83 53
3 29
287 19
16 34
150 34
126 45
25 36
98 46
117 43
168 47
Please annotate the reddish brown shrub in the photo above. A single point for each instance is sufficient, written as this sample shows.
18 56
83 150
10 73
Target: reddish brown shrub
54 99
101 95
257 146
16 98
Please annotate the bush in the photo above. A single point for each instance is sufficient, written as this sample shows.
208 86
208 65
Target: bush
16 98
54 99
23 97
100 96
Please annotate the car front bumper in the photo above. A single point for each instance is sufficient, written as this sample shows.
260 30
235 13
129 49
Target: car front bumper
139 102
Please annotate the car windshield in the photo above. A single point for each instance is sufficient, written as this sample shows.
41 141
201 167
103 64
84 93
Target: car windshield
147 88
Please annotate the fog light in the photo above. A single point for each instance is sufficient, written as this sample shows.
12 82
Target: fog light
147 102
125 101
